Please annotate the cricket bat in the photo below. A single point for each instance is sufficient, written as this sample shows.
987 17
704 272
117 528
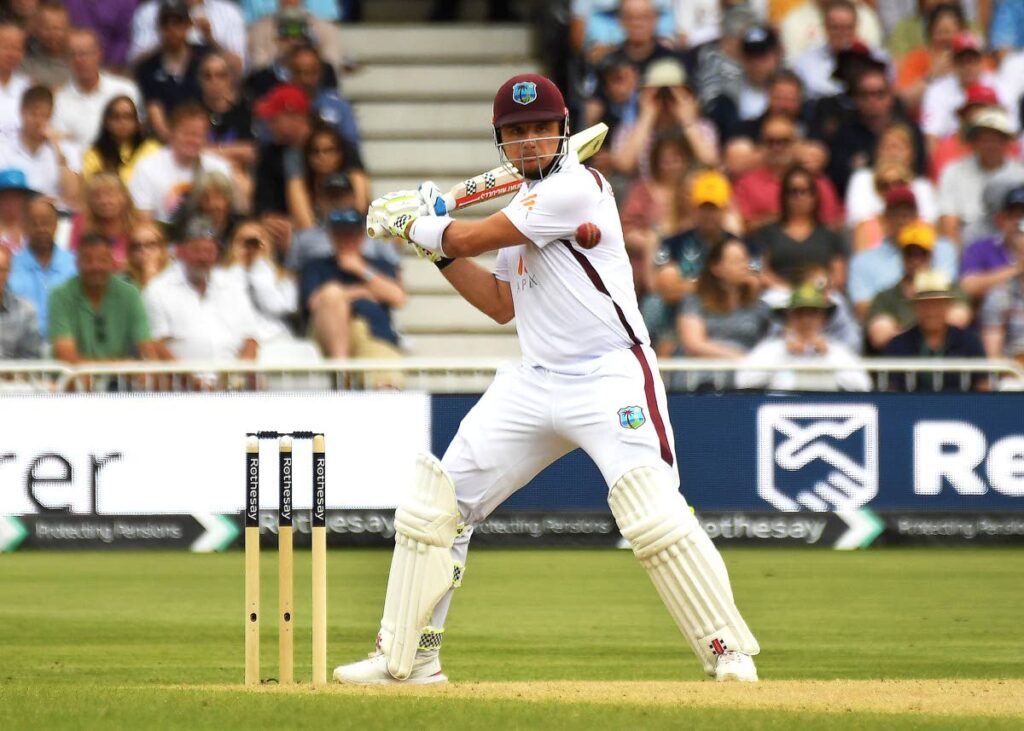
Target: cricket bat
502 180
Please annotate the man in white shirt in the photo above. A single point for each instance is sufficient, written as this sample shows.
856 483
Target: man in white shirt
162 180
588 379
13 83
962 184
803 341
79 105
816 65
37 152
803 27
198 311
215 23
946 95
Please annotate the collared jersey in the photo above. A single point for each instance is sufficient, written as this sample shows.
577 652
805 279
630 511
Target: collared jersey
572 305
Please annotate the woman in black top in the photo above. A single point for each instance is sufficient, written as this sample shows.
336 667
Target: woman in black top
799 241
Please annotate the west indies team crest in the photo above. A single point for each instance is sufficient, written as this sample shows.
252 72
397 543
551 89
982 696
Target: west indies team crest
524 92
631 417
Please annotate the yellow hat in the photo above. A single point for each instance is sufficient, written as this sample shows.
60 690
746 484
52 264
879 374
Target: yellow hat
711 187
917 234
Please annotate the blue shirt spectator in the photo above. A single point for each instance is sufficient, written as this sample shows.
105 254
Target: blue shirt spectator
41 266
1007 28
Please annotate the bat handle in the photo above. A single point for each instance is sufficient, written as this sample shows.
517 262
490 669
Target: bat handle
447 202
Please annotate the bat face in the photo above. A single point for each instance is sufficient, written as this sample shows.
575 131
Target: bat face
503 180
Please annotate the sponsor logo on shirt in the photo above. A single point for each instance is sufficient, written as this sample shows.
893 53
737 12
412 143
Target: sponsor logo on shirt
526 280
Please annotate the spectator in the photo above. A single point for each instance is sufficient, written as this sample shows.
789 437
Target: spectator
162 180
37 151
934 337
875 109
47 60
947 93
785 98
977 98
325 155
598 26
109 212
1007 30
749 99
803 341
927 62
350 298
894 159
79 106
212 199
96 316
963 182
19 326
817 65
41 266
306 71
995 260
107 20
800 240
724 318
877 269
681 257
804 27
121 142
198 311
293 17
231 123
169 75
841 326
1002 314
285 110
273 291
13 83
758 191
290 35
661 203
909 33
14 195
214 24
718 68
614 101
665 103
700 21
312 239
148 256
892 310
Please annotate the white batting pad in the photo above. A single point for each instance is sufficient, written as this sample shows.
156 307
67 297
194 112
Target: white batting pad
422 568
684 565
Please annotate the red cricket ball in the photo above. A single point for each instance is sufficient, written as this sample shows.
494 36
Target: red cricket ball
588 235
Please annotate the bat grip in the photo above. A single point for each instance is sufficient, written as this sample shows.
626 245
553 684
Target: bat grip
447 201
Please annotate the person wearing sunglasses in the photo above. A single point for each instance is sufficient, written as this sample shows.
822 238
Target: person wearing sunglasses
96 316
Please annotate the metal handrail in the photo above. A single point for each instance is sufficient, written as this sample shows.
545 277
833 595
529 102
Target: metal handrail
357 373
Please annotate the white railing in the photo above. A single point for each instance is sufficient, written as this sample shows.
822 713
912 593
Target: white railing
437 375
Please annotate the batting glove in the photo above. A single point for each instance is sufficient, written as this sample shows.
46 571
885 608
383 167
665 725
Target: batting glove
395 212
433 198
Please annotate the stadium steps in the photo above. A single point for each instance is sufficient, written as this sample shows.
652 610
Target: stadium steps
423 99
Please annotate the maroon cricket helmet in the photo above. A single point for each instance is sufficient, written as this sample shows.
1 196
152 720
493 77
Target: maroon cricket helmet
528 98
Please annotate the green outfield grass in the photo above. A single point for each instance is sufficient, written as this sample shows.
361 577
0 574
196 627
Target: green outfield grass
552 639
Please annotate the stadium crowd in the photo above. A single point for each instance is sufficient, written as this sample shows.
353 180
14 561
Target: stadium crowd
799 180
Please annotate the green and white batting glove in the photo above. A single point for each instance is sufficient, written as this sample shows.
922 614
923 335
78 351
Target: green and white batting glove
395 213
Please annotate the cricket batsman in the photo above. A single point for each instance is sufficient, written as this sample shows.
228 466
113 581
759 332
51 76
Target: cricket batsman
588 379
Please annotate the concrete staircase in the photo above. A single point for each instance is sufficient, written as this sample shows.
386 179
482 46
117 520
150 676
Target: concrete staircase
423 100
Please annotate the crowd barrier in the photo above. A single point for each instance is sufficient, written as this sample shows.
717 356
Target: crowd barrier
441 375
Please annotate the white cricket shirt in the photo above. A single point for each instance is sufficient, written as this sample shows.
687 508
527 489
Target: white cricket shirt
572 305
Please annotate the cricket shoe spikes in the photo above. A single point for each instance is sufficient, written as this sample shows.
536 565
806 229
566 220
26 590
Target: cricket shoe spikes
735 666
374 671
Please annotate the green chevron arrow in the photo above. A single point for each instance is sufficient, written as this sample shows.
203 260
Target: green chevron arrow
863 528
12 533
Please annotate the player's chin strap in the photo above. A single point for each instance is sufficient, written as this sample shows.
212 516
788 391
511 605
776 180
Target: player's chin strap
422 568
683 564
553 167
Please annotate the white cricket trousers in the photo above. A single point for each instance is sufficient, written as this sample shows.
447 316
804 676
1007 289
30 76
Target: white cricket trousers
616 412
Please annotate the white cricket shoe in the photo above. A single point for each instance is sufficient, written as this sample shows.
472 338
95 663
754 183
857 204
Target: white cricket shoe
374 671
735 666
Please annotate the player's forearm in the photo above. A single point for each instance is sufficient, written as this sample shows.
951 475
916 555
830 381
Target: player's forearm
481 289
472 238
